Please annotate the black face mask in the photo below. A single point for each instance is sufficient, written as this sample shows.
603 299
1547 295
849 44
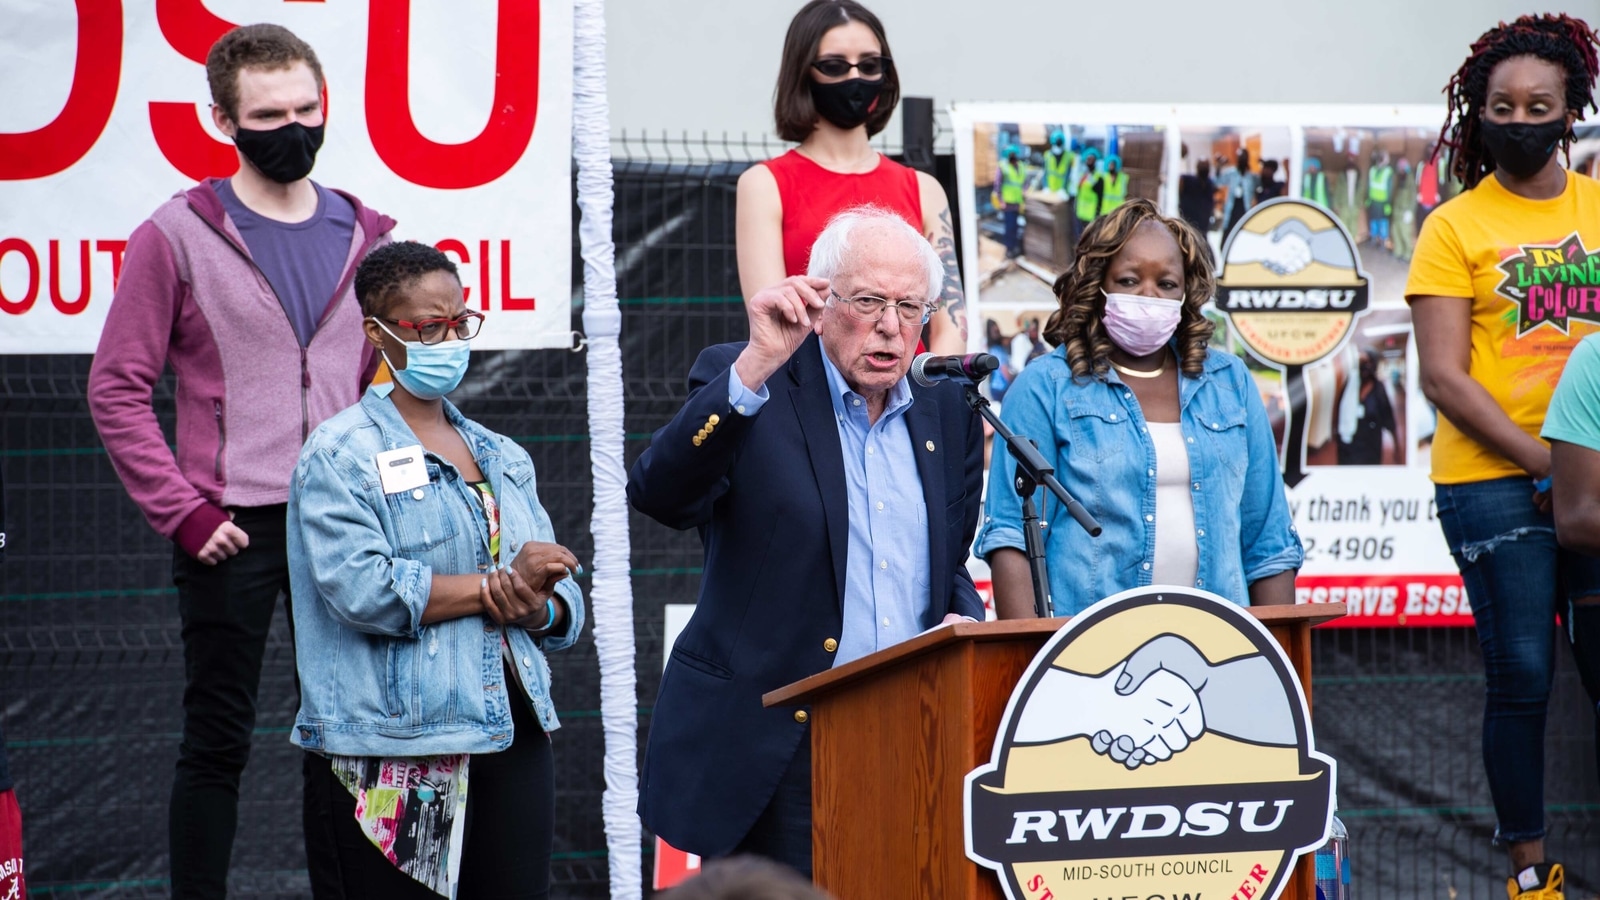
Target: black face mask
283 154
847 103
1522 149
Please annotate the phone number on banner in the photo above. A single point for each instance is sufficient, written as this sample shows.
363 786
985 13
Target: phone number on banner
1351 548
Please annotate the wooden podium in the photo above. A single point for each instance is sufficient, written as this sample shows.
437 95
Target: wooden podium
894 734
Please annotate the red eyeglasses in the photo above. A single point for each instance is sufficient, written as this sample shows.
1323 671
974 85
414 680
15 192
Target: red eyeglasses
433 331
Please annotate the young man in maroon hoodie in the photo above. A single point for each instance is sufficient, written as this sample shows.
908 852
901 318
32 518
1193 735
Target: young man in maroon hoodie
243 287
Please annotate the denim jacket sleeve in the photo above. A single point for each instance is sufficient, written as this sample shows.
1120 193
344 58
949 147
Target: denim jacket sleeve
1267 535
353 565
518 461
1026 411
573 598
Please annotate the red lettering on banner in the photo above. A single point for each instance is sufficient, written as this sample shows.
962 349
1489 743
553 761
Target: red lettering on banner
483 272
114 248
520 304
71 294
1382 601
95 77
451 245
20 246
70 308
187 145
191 29
516 101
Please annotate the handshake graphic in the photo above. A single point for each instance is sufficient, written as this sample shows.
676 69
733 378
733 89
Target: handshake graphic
1157 701
1290 248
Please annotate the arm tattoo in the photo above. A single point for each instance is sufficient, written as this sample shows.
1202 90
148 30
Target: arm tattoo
955 302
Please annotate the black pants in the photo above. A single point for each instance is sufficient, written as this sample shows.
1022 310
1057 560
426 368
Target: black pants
783 830
508 835
226 610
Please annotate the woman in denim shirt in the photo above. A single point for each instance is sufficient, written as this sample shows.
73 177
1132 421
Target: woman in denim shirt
1163 439
427 589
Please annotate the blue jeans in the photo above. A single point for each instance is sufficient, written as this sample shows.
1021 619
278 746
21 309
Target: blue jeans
1518 580
1011 216
1377 221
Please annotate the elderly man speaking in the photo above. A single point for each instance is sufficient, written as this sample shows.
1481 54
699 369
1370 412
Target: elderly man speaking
836 501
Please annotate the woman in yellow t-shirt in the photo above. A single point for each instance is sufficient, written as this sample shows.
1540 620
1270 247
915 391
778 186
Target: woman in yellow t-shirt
1504 283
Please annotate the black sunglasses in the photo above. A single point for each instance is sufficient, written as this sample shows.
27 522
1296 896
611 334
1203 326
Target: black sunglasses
838 66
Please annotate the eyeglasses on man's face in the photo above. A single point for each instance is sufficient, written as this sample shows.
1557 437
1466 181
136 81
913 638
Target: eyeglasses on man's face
839 67
433 331
868 308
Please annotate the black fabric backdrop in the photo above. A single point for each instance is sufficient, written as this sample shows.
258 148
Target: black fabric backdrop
91 665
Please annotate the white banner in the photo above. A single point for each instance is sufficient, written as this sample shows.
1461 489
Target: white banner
453 118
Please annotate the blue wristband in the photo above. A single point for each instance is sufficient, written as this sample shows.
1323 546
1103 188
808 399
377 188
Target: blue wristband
1542 485
549 614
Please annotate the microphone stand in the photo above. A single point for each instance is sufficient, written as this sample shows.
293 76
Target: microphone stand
1032 471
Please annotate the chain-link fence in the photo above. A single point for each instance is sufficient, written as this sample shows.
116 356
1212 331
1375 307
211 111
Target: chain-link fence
91 665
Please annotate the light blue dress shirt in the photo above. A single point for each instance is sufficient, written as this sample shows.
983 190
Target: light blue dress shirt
886 593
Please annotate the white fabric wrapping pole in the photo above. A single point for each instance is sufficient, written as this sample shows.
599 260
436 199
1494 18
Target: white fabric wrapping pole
611 591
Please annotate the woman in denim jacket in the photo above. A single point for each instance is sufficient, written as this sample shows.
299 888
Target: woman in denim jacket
427 589
1162 438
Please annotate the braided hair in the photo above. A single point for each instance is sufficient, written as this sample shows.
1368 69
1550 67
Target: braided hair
1560 39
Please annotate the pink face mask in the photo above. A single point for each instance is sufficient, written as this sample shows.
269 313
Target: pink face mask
1141 325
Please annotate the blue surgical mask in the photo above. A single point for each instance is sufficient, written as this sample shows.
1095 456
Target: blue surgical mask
432 370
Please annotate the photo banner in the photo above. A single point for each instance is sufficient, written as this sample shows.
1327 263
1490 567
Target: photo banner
1316 307
454 119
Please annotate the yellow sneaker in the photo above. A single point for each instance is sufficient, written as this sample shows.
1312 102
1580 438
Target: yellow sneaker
1550 887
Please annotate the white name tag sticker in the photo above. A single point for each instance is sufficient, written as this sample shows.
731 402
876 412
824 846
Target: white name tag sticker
402 469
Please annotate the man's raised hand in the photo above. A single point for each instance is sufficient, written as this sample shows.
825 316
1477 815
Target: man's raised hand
781 317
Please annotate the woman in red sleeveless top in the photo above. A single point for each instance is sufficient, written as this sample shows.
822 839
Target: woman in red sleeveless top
836 88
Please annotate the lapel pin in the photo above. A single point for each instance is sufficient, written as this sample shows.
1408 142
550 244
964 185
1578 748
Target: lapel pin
929 445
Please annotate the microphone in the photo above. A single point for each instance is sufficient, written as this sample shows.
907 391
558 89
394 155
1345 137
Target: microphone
928 370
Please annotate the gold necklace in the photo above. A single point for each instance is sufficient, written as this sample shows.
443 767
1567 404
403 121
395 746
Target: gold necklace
1135 373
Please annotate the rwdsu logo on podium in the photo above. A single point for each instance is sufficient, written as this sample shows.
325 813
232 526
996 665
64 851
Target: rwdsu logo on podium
1158 746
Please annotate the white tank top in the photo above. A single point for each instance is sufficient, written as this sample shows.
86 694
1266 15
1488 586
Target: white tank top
1177 552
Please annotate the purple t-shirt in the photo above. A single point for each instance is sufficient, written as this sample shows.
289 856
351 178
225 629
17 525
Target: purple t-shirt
302 260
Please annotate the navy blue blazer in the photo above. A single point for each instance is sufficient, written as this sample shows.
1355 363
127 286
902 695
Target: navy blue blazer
768 494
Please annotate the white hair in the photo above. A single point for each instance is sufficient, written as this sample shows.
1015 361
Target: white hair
833 245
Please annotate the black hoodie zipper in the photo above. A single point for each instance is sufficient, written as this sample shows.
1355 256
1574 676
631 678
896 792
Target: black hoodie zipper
222 437
305 397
